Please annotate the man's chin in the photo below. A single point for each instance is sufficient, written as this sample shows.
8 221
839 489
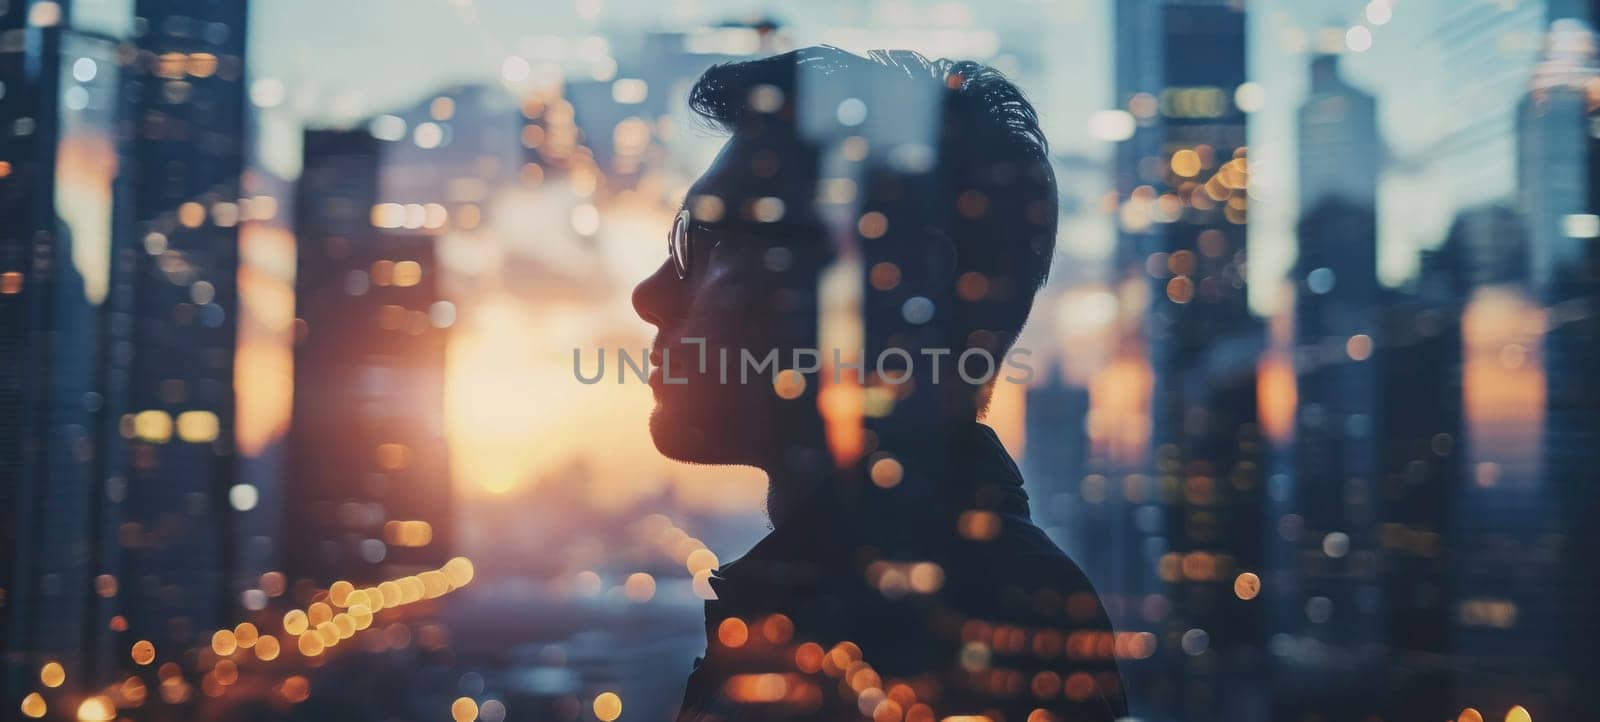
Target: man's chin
675 440
687 442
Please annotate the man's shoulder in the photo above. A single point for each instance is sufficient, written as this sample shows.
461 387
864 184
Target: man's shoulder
1019 545
1019 573
1040 620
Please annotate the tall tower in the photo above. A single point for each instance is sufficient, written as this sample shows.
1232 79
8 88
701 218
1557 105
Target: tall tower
1057 462
170 371
61 151
1180 181
1339 148
369 487
1327 596
1553 144
1487 442
121 160
1558 159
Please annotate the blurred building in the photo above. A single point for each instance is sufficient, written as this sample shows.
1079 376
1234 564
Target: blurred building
60 152
1553 142
369 488
462 144
125 129
1340 150
1560 198
1420 428
1056 464
1473 290
170 367
502 169
1181 180
648 92
1328 600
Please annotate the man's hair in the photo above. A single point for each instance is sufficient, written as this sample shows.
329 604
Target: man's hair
996 190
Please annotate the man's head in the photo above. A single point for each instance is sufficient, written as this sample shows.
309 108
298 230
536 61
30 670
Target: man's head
933 175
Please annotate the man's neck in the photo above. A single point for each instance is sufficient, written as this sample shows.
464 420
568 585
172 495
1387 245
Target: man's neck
788 487
803 475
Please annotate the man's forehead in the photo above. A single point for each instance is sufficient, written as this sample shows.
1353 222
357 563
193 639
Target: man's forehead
747 171
720 177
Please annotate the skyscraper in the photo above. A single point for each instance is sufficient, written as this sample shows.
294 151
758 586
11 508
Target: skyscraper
1340 150
1328 597
1553 145
1181 180
1558 158
1056 463
1472 293
368 493
1421 461
60 152
170 368
122 153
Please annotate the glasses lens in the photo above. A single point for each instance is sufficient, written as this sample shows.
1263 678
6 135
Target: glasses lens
678 244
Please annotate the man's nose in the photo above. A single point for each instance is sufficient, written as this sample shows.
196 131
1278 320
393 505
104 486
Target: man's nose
659 296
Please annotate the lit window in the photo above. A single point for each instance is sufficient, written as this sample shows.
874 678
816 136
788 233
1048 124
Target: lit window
198 426
154 426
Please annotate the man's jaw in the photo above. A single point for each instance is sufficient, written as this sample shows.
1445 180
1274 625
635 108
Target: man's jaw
677 440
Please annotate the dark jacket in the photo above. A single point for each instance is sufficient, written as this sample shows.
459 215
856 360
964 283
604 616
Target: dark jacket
938 603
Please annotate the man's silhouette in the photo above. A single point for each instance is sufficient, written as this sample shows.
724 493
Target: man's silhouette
902 579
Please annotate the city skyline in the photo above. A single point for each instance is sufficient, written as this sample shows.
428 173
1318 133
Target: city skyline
1313 409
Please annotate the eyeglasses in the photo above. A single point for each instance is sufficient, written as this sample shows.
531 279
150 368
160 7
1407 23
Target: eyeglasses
680 243
686 233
